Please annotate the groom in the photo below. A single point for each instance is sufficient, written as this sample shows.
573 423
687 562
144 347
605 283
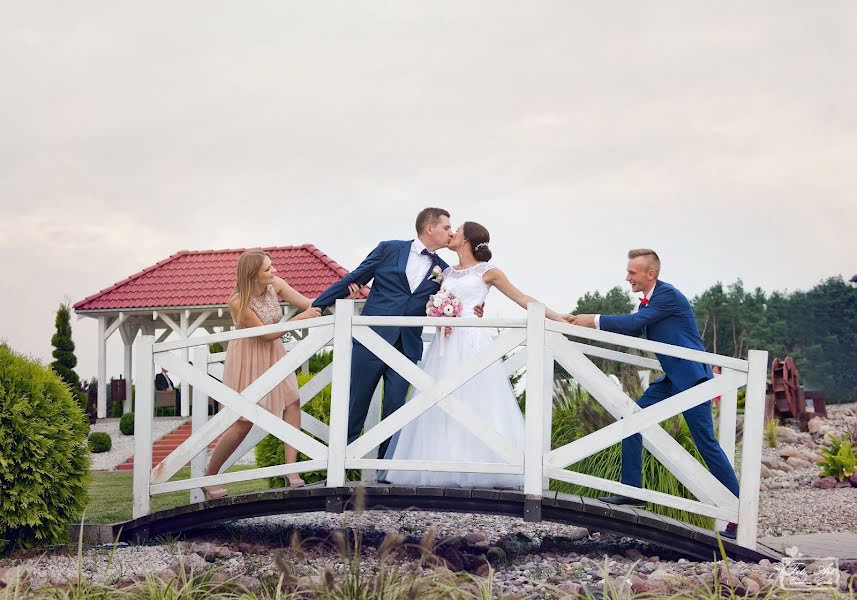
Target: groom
402 285
665 315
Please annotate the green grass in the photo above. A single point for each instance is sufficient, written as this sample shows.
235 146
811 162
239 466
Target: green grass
110 494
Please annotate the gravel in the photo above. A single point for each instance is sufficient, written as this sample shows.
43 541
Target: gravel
123 445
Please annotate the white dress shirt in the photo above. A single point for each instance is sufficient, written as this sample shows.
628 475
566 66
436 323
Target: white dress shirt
636 306
418 265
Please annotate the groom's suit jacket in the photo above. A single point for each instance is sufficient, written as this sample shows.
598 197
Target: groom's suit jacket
667 318
390 294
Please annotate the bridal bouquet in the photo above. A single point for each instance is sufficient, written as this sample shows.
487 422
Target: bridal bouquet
443 304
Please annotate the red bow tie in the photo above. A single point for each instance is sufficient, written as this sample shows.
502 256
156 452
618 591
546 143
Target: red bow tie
644 301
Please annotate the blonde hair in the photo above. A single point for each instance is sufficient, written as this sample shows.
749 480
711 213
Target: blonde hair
249 264
654 261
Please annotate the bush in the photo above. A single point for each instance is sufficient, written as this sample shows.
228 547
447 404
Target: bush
575 415
839 459
99 442
44 462
126 424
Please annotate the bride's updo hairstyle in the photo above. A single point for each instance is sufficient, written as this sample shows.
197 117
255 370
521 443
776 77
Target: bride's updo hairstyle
478 237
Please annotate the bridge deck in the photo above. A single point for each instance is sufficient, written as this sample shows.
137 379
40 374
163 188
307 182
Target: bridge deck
693 542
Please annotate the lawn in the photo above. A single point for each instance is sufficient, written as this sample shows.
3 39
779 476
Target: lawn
110 494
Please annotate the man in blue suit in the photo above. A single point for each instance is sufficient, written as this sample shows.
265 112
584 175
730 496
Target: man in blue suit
403 282
665 315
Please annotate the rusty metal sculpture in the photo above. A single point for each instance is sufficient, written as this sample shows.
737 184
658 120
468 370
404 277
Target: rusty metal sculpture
789 400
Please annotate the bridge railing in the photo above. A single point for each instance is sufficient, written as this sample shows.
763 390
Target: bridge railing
534 343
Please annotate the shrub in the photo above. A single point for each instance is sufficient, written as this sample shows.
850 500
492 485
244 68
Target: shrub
44 462
64 359
99 442
126 424
575 415
838 459
771 426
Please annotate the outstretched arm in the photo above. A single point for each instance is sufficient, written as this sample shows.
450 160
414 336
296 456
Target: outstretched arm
360 276
289 294
632 324
498 279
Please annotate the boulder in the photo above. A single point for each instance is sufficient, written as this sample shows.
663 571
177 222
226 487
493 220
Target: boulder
787 434
798 463
789 452
634 554
763 487
751 586
765 472
474 538
571 589
814 425
825 483
770 461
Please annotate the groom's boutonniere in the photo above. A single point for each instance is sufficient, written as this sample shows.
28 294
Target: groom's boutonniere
436 274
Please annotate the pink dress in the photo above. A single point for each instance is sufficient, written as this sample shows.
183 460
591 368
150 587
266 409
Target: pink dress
247 359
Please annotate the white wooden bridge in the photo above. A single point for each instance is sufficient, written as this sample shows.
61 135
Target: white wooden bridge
533 343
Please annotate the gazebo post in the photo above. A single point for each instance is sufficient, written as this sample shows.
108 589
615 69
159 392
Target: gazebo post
128 334
185 388
102 367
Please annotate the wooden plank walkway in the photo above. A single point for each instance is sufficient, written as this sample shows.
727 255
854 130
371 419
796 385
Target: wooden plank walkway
816 545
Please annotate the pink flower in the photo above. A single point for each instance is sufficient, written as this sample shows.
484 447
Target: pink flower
444 304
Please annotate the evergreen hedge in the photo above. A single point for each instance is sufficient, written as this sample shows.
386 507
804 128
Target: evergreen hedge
44 461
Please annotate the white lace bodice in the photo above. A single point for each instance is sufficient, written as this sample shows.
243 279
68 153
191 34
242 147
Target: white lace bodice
467 285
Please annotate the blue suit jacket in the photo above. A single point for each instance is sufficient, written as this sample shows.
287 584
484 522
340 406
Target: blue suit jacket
668 318
390 294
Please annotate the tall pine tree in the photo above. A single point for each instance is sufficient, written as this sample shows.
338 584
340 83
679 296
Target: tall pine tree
64 358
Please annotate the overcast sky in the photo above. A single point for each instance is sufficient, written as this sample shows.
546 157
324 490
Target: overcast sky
723 134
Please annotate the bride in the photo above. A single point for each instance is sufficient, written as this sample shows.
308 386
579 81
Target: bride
434 435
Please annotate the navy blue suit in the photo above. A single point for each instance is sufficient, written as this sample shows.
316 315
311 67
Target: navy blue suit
669 318
390 296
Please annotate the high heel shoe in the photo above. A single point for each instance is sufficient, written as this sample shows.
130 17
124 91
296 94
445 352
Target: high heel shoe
294 483
214 492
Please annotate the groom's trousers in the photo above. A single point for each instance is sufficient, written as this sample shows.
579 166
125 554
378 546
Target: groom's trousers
366 371
701 427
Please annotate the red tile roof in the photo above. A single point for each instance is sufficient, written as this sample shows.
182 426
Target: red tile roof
207 277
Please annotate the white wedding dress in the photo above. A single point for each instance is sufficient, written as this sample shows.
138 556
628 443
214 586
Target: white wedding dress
434 435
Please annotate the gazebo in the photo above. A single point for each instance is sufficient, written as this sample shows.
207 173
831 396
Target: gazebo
186 292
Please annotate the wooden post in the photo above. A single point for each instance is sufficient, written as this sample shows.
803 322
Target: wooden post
547 428
199 419
751 452
340 393
535 419
128 333
728 420
102 366
143 426
185 388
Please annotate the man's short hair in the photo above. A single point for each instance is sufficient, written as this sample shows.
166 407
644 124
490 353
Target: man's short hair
429 216
654 261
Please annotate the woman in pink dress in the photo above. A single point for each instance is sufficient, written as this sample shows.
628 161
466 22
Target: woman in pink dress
256 302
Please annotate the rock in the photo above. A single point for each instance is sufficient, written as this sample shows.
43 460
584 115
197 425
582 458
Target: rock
788 453
777 473
825 483
251 583
193 563
787 434
497 556
814 425
805 439
453 558
516 544
166 575
634 554
647 586
731 581
751 586
13 575
786 467
571 589
211 552
770 462
763 487
765 472
798 463
474 538
843 484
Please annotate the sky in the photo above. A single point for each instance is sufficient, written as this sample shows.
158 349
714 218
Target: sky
721 134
